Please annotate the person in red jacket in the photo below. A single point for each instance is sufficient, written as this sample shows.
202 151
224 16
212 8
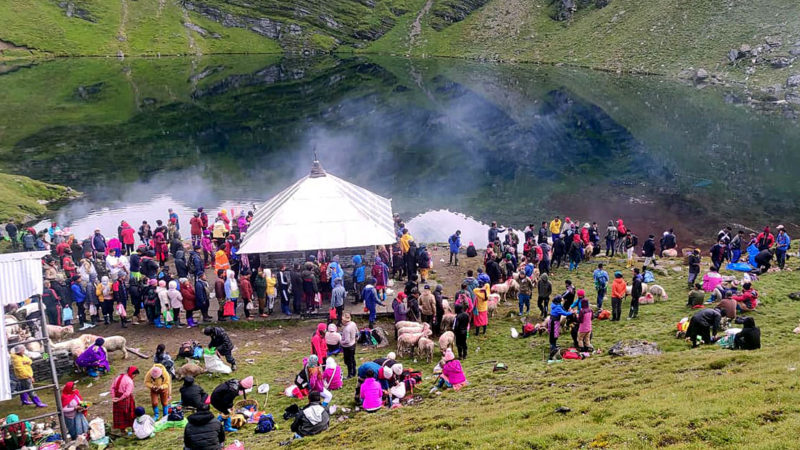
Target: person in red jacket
747 300
162 250
188 300
196 224
68 264
128 235
246 292
319 346
765 239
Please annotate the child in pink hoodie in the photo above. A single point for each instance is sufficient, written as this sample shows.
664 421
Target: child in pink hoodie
452 375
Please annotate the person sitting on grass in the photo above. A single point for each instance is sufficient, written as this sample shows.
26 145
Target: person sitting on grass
696 297
312 419
452 375
750 336
144 427
192 394
203 431
371 392
748 299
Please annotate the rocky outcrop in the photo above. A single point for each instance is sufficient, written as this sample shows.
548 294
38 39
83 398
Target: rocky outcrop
201 31
264 26
449 12
73 9
634 348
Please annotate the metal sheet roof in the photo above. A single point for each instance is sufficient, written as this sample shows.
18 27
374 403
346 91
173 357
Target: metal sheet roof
20 276
320 211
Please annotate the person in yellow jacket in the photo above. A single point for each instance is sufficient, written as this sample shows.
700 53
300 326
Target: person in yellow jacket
159 382
23 370
555 227
405 240
272 291
480 317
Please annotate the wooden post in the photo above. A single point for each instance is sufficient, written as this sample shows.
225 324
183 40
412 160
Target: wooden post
56 388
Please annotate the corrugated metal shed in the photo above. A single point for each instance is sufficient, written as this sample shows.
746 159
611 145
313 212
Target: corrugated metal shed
318 212
20 278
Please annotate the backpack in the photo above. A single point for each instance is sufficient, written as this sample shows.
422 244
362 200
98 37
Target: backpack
649 277
528 328
28 241
186 349
265 424
175 414
192 265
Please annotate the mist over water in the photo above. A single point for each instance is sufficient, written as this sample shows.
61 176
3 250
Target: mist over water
516 144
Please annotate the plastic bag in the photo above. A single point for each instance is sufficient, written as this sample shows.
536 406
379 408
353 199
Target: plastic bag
121 310
97 429
92 310
235 446
229 310
215 365
514 333
168 315
66 314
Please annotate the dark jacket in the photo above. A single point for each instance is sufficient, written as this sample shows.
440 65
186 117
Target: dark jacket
219 288
709 318
149 267
694 263
224 395
544 286
312 419
180 264
192 394
649 248
636 287
220 339
200 293
493 270
750 336
462 322
203 432
297 286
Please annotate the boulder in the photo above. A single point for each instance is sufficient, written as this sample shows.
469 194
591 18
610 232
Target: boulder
793 80
781 62
634 347
793 97
773 41
733 55
701 75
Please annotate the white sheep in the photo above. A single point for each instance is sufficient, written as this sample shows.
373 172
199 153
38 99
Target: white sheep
447 322
446 341
58 333
115 343
492 307
406 323
425 348
407 342
658 292
446 306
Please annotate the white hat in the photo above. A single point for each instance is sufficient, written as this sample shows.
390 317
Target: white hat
391 355
387 373
397 369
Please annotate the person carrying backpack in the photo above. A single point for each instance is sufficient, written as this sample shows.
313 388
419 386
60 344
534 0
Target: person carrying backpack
600 277
455 244
423 262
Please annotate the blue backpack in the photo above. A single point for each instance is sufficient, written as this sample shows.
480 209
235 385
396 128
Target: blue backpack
265 424
649 277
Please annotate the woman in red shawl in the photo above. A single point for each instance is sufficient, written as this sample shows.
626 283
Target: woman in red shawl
318 345
74 413
162 250
122 398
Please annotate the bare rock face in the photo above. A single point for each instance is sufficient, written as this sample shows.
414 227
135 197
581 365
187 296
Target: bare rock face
634 347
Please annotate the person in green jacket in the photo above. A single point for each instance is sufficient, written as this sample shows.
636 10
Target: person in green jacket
260 287
696 296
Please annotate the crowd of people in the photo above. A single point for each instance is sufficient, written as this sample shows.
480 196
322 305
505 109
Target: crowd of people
112 273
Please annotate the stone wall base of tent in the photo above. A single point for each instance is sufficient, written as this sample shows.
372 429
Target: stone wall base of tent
290 259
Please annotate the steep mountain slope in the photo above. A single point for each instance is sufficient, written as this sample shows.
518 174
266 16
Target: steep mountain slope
660 36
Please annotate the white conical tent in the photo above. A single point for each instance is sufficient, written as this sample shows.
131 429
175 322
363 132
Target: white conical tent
319 212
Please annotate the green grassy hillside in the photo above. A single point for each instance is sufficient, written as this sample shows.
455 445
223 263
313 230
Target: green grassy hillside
661 36
683 399
22 198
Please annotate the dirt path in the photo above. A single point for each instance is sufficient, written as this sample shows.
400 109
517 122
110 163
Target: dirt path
416 26
122 33
192 44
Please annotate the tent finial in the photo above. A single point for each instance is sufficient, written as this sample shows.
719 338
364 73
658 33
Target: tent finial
316 168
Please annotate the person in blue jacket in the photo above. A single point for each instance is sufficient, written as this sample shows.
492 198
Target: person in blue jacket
335 270
359 276
79 295
370 296
554 329
782 244
455 245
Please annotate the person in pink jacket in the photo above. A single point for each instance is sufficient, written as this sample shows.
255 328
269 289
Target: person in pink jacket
452 375
585 326
371 393
333 375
